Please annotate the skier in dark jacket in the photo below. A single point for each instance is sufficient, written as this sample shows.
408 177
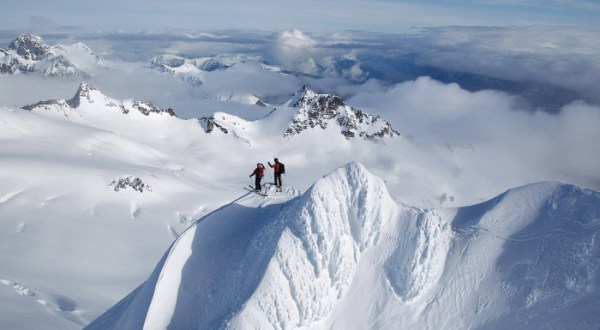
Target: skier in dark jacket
277 170
258 175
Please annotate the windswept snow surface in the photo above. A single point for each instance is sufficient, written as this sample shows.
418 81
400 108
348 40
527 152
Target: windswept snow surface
344 255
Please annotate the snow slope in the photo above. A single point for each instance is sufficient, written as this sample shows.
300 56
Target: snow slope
78 229
344 255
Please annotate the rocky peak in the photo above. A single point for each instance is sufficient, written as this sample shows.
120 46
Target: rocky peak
84 92
30 47
209 124
30 54
323 103
321 110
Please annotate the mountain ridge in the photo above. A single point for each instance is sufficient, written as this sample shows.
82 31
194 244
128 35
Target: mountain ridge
86 95
305 109
308 110
304 261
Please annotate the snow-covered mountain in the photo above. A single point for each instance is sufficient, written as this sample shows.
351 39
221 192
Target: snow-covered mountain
29 53
321 110
177 64
307 110
193 69
344 255
88 100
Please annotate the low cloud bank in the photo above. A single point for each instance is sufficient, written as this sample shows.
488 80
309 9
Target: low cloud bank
487 134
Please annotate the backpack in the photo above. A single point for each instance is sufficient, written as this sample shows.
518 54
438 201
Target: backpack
281 168
261 170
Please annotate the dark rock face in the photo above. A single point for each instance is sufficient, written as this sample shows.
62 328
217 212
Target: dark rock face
43 104
209 124
321 110
134 183
82 92
30 47
10 64
148 108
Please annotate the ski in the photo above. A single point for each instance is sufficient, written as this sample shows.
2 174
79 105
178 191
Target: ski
255 191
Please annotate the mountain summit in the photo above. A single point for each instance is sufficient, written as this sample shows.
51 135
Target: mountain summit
345 255
29 53
30 47
321 110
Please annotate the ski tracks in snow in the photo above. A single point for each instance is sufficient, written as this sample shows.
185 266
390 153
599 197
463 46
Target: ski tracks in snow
61 305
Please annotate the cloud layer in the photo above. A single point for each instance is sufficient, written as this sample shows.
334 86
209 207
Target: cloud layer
477 107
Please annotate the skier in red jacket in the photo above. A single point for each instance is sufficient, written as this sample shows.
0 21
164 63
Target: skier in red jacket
277 171
258 175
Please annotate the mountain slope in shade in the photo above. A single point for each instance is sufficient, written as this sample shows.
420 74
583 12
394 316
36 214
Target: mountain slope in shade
345 255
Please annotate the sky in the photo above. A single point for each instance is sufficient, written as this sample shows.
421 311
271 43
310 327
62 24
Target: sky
376 16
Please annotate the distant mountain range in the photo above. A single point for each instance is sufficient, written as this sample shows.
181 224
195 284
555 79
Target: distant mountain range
87 96
29 54
305 111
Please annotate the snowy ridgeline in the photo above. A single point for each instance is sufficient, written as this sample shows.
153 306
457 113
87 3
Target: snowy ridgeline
344 255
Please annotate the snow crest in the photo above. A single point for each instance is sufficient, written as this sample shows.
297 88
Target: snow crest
319 250
345 255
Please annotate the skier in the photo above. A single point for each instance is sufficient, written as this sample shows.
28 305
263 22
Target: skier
258 175
278 169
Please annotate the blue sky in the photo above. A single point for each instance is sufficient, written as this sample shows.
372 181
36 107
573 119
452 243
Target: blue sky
329 15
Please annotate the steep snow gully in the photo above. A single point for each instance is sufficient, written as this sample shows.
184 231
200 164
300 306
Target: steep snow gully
344 255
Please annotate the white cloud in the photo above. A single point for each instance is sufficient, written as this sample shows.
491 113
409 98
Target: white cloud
295 50
562 56
484 139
